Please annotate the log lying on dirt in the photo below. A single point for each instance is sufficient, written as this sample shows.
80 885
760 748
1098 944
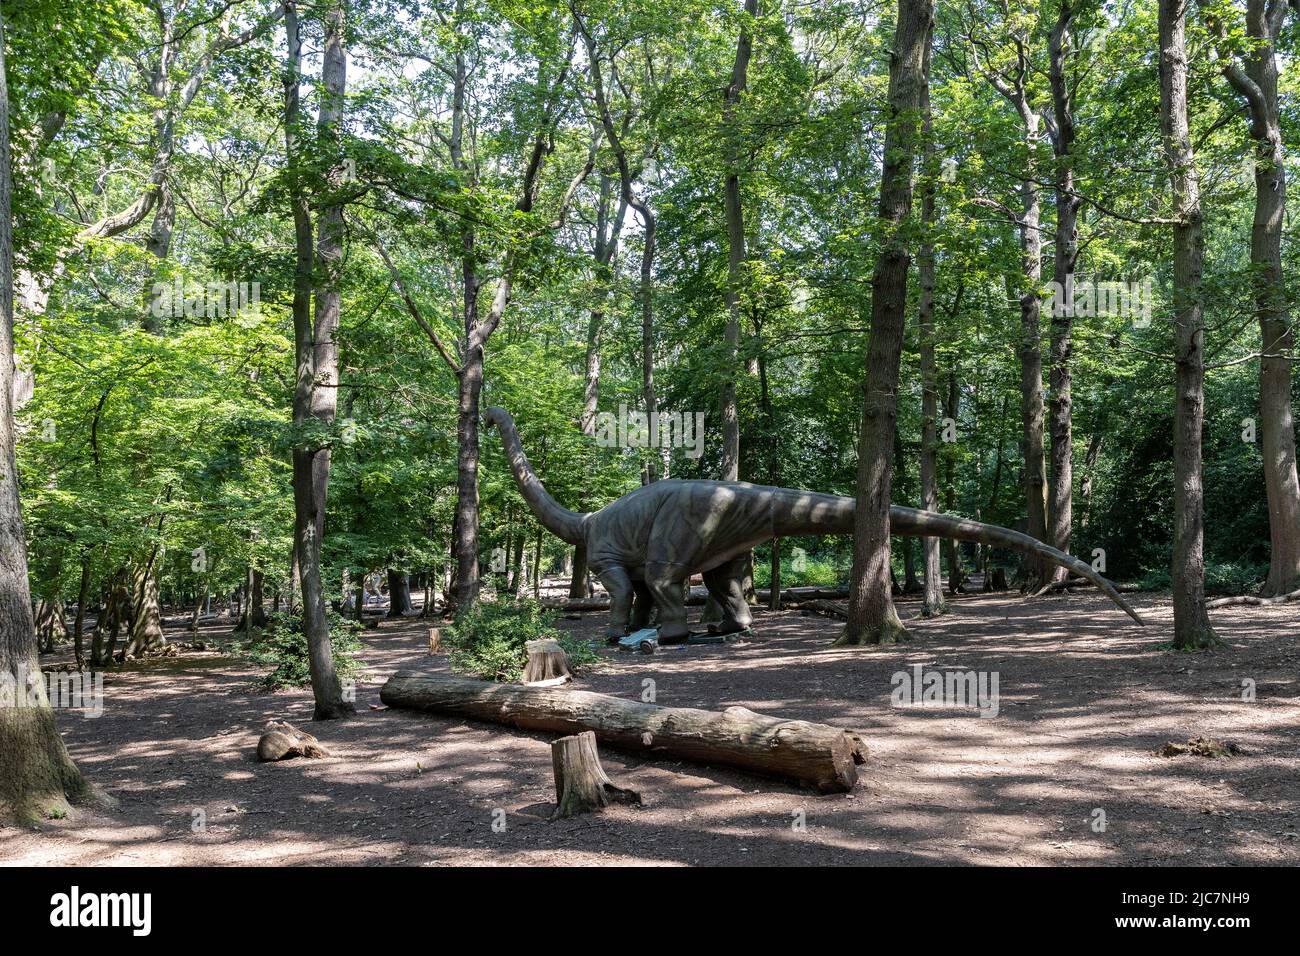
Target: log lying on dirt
581 785
838 612
812 755
1253 601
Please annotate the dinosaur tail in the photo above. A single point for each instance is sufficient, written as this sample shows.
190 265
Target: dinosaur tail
555 518
910 521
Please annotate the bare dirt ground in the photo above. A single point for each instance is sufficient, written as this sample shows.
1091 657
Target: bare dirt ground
1086 700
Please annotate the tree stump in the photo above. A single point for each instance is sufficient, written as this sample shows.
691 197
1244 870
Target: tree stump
547 665
581 785
999 579
283 740
435 640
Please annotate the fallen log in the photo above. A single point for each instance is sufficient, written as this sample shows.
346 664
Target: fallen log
1253 601
822 609
812 755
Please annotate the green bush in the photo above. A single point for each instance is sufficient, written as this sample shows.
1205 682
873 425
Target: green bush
282 646
1226 577
814 573
488 639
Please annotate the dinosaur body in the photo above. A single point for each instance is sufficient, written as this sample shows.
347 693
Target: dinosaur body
645 546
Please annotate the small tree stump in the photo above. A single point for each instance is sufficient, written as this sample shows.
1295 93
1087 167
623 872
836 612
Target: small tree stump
547 665
581 785
999 579
435 640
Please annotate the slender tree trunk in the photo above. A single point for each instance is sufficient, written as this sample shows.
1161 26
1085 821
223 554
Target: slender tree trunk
872 618
1257 83
956 574
1060 505
315 393
36 773
735 214
933 603
1191 619
1031 365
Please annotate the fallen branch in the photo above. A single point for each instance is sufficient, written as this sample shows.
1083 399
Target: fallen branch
1253 600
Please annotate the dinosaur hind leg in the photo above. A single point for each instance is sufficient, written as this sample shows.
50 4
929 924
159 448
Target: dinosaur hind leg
642 604
665 582
726 586
619 586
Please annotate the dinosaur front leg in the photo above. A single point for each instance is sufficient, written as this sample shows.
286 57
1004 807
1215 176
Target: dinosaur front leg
666 583
619 585
726 583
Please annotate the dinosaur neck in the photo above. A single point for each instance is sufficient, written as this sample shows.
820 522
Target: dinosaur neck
811 512
555 518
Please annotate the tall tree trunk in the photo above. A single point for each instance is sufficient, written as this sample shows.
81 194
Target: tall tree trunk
36 773
735 214
1060 504
1031 364
956 574
933 603
1191 619
871 617
1257 84
603 253
315 393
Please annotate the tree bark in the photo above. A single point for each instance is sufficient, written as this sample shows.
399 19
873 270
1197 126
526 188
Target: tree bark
735 215
1191 619
932 582
812 755
1257 84
146 618
399 593
1060 505
872 618
581 785
315 393
36 774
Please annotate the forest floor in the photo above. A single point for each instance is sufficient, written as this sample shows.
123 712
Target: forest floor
1087 698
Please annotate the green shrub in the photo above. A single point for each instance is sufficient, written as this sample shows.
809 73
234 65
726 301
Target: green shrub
1226 577
488 639
814 573
282 646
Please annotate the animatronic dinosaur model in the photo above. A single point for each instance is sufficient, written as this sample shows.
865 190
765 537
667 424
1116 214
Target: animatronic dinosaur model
645 546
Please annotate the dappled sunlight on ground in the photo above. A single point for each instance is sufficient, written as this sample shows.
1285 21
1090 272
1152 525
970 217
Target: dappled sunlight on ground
1086 699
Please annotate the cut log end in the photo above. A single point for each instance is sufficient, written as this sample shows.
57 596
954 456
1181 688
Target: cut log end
547 664
581 785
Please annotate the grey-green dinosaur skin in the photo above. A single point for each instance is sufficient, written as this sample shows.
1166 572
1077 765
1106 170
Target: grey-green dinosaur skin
645 546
